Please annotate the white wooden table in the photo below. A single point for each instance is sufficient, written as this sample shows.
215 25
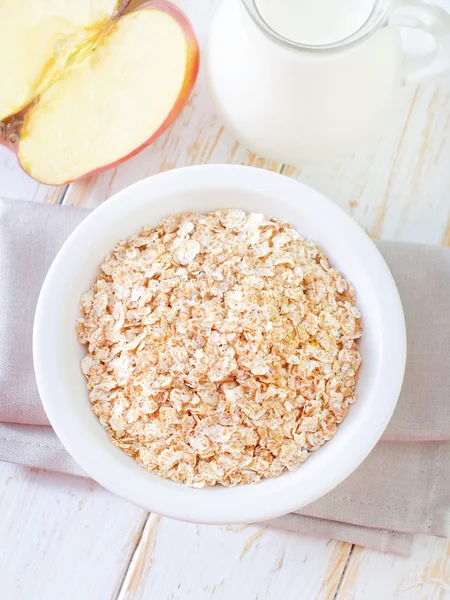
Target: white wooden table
66 538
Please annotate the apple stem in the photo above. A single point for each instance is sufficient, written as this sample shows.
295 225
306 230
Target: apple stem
10 129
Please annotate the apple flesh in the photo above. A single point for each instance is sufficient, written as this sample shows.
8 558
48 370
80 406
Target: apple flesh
102 83
35 39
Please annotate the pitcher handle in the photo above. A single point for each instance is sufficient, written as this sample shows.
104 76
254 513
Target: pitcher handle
418 14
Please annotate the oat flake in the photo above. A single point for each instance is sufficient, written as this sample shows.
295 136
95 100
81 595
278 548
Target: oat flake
221 348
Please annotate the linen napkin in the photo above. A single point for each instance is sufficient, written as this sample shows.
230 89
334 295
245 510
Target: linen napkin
402 488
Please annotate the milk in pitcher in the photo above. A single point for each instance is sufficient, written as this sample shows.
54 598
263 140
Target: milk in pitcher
293 84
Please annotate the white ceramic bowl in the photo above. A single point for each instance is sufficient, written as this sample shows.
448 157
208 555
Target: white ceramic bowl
57 353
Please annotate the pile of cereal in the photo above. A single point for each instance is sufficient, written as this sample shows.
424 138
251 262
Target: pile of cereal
221 347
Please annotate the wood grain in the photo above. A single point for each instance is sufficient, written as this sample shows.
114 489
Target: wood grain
399 188
141 561
62 536
423 576
184 561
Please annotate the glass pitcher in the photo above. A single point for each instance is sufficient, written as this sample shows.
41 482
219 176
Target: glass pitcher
305 103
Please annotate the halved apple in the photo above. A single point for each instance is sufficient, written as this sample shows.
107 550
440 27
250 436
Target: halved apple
85 85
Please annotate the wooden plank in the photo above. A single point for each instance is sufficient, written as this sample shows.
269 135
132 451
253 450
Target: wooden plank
398 188
62 536
423 576
182 560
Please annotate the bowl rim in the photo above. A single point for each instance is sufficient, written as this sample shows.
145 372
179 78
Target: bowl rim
393 354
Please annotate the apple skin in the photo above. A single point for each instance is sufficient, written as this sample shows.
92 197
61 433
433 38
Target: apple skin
190 77
192 66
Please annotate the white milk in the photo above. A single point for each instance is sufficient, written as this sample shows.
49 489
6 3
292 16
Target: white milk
315 22
298 106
